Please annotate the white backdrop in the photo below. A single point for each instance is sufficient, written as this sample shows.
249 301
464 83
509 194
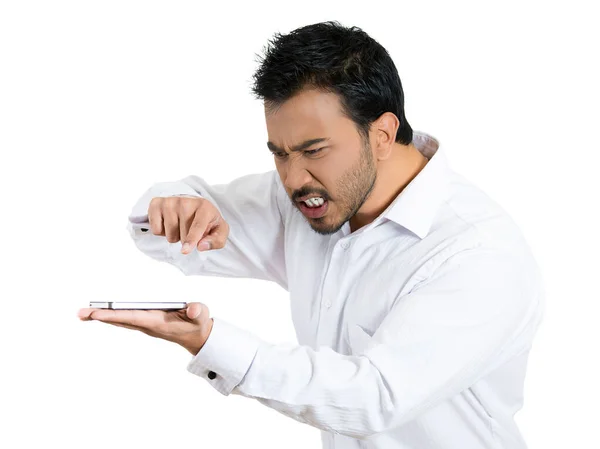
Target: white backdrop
99 100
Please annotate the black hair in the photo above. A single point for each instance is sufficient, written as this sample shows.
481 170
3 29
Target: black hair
333 58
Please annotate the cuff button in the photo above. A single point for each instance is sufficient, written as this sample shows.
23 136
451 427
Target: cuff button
144 229
212 375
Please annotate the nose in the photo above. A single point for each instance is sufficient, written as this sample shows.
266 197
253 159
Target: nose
296 176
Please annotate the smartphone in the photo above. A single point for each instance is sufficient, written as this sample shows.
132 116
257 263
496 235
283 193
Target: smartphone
138 305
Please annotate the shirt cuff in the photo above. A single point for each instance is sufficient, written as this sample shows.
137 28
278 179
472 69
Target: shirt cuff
225 357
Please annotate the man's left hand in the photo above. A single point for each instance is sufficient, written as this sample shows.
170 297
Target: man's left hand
189 327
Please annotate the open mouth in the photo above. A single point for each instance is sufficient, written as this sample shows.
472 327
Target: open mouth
315 208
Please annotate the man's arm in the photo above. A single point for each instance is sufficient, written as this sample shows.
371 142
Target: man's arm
477 311
252 206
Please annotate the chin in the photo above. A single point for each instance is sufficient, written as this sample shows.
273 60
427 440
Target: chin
320 227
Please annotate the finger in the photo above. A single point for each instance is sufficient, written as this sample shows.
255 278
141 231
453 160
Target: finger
187 210
217 236
198 313
194 310
84 313
138 318
206 242
89 314
155 217
171 225
197 230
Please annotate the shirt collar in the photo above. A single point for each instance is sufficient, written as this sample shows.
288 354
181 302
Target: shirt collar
415 207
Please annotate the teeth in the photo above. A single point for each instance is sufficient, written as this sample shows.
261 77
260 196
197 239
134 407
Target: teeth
315 202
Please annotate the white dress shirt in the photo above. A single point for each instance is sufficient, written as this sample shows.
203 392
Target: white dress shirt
413 331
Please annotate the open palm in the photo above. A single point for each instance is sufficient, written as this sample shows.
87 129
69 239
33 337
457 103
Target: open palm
187 327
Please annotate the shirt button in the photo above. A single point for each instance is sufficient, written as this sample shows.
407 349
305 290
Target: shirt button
328 304
345 245
212 375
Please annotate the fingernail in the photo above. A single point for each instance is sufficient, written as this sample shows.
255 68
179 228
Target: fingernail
204 246
186 247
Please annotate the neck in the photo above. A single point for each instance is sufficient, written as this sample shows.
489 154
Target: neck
393 175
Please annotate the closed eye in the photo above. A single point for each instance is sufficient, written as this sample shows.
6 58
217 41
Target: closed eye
311 152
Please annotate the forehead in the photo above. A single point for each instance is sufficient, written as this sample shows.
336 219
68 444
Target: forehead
309 114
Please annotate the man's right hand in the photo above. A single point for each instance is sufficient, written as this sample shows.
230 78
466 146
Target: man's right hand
194 221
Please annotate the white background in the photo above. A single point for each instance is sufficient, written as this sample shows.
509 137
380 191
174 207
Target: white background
101 99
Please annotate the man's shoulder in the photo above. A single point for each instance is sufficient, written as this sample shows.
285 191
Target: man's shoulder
472 217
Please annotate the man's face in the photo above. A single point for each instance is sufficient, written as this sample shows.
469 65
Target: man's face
342 173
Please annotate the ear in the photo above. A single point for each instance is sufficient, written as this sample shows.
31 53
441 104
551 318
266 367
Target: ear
384 129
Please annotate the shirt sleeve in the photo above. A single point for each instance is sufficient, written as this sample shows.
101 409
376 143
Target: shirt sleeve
252 207
462 322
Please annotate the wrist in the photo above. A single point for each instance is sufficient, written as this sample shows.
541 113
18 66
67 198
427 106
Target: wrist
196 346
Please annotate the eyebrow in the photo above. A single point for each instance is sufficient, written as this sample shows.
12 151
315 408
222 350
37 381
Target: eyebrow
299 147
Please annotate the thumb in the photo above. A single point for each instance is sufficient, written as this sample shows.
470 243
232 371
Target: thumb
205 244
194 311
215 236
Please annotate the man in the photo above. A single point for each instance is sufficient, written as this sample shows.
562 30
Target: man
414 297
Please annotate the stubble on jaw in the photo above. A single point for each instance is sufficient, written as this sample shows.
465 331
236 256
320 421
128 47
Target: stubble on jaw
356 184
